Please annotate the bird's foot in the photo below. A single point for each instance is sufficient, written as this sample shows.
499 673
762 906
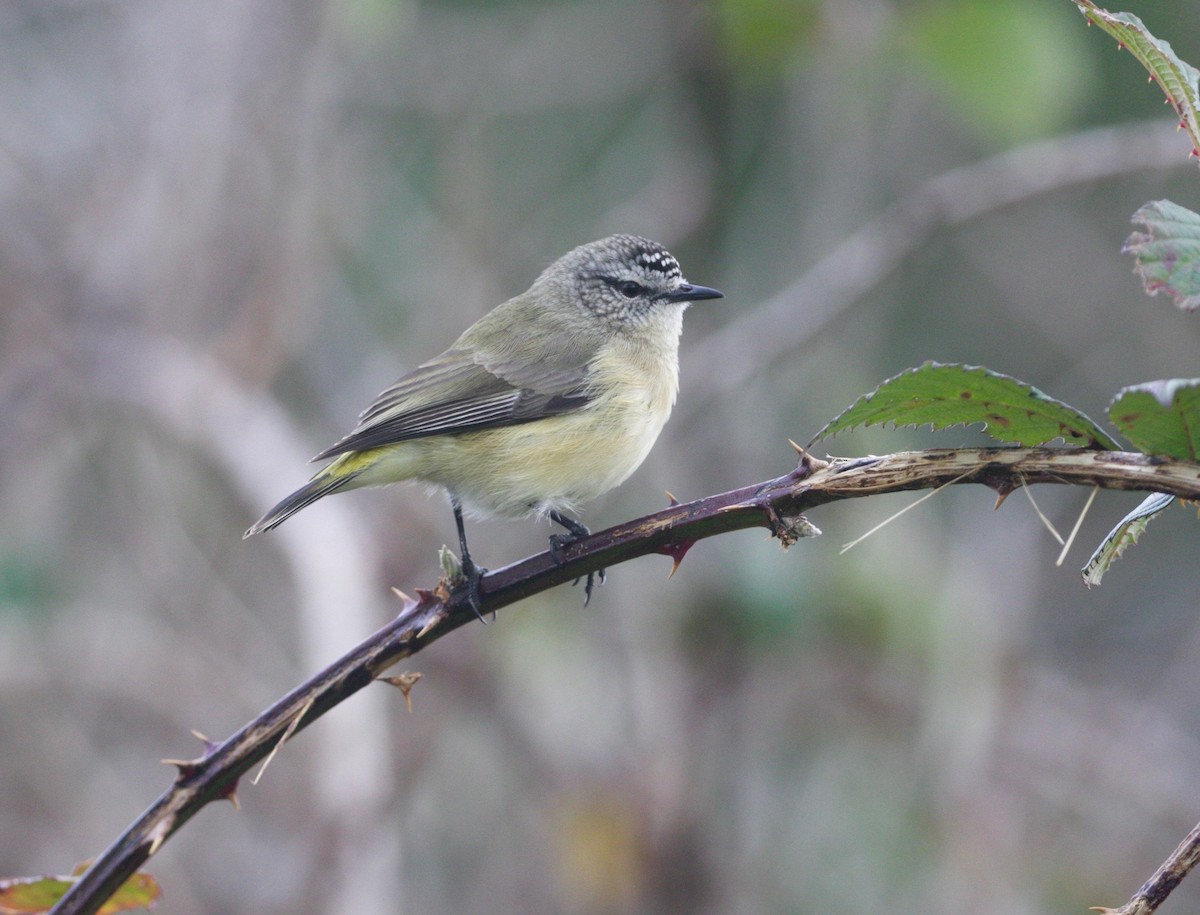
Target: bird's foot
472 574
558 546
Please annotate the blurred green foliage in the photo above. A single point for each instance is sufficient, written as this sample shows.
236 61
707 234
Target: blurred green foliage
28 584
762 39
1009 68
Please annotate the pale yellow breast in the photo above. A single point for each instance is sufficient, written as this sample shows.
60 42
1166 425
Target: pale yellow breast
561 461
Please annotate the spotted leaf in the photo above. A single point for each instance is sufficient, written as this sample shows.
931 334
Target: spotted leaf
941 396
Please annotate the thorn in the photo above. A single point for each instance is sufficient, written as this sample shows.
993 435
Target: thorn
209 745
408 601
404 682
676 551
1194 154
159 834
189 767
807 463
437 618
229 793
1003 489
737 506
671 500
1120 46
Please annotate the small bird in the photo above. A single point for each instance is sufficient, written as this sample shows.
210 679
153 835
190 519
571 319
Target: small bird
548 401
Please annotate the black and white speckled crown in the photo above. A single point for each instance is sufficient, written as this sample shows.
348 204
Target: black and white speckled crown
625 278
654 258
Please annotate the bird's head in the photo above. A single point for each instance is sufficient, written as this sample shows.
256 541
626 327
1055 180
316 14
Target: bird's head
624 279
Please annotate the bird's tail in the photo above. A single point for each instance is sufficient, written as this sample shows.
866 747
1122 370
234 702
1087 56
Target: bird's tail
321 485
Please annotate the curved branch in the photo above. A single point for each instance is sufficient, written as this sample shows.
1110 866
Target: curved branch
865 258
770 504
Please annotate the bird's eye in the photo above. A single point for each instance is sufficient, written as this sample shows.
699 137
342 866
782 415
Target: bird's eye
630 289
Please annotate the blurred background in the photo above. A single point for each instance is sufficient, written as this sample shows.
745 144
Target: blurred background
224 227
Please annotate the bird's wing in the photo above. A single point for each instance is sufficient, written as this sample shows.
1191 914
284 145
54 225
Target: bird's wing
464 390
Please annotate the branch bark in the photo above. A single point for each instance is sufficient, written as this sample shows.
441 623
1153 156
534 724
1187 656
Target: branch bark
773 504
1168 876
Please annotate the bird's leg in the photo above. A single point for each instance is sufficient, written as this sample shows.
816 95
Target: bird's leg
558 542
471 572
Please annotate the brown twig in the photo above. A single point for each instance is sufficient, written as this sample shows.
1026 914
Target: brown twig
781 324
1155 890
433 614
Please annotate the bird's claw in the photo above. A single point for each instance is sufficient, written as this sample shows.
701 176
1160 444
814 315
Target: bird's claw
587 587
558 545
472 574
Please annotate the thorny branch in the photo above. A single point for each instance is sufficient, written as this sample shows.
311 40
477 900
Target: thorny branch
1155 890
773 504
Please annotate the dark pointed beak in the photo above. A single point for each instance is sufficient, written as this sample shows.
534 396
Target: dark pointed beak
686 292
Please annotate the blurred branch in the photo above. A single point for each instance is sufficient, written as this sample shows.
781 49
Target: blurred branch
1155 890
774 504
864 260
195 399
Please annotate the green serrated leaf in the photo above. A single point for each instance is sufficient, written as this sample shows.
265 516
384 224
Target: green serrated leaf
1179 80
1124 535
29 895
1167 255
950 395
141 891
1161 417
